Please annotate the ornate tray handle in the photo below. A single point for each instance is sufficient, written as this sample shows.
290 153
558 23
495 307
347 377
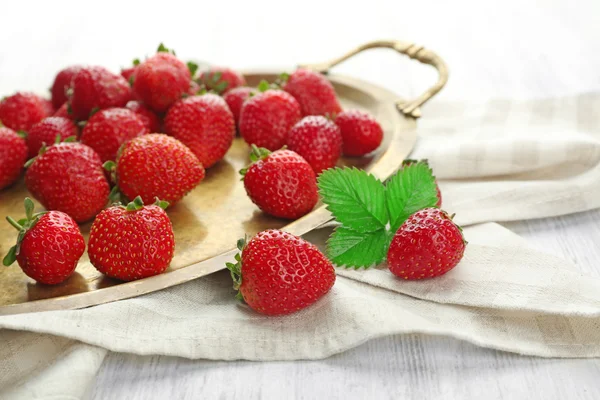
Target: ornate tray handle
416 52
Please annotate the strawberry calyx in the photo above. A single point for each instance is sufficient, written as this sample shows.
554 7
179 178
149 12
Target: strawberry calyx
23 225
193 67
212 81
135 205
164 49
21 134
256 154
236 269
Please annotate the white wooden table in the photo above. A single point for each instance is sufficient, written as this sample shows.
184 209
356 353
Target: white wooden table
508 49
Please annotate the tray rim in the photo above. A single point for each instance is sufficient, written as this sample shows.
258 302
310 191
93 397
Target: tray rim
387 164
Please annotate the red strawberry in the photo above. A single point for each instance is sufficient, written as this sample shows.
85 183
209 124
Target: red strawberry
132 242
204 124
129 73
148 117
96 88
13 154
63 112
68 177
108 129
161 80
21 111
314 92
266 118
281 183
221 79
279 273
47 104
235 98
427 245
48 247
318 141
157 166
47 130
361 133
61 84
408 162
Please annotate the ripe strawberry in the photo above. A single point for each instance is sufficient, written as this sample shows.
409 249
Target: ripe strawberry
221 79
318 141
68 177
279 273
21 111
281 183
361 133
61 84
157 166
408 162
427 245
235 98
132 242
63 112
47 130
161 80
266 118
108 129
204 124
48 247
314 92
148 117
97 88
13 154
48 107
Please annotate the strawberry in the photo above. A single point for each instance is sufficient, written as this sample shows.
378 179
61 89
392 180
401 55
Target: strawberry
281 183
61 84
221 79
63 111
204 124
408 162
108 129
96 88
161 80
48 107
279 273
317 140
361 133
46 132
13 154
428 244
148 117
21 111
132 242
266 118
314 92
68 177
235 98
156 166
48 247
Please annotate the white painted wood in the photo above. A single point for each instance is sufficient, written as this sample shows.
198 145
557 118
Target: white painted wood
400 367
508 49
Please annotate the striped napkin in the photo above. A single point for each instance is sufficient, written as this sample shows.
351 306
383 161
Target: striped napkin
497 161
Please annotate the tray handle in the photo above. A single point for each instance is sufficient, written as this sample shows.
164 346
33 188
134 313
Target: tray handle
409 108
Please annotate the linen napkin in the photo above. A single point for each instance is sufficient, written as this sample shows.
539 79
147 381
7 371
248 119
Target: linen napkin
497 161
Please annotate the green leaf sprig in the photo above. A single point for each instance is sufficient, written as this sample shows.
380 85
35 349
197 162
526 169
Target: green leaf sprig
370 212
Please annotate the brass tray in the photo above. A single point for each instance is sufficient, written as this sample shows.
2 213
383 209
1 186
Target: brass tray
209 220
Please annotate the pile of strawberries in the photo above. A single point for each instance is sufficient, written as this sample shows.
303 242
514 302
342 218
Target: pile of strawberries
147 135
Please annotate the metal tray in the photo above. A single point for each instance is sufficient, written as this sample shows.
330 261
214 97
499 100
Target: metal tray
209 220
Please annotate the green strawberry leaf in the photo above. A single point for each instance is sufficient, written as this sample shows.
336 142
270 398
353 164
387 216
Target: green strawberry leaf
29 206
136 62
263 86
356 199
193 67
349 248
10 257
411 189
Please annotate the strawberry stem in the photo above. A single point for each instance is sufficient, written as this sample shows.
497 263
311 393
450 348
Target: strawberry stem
14 223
